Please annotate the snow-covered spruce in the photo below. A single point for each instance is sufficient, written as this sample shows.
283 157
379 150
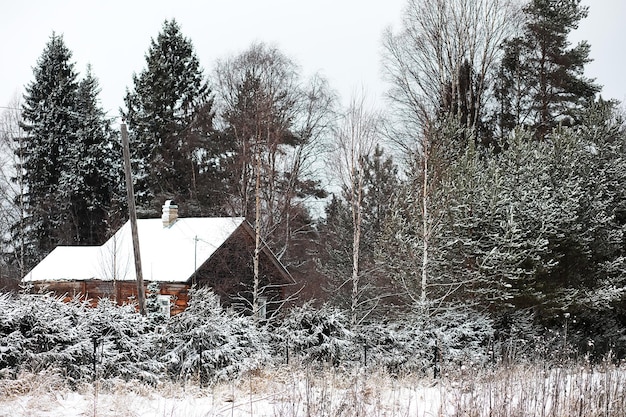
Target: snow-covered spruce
207 342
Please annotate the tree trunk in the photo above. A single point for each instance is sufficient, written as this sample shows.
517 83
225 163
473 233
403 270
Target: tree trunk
257 236
425 223
356 244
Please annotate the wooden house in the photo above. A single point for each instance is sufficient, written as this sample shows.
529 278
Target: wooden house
177 253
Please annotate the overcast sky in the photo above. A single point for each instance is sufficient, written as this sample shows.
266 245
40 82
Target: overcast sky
339 38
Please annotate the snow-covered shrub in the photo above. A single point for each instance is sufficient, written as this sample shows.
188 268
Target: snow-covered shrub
398 347
153 307
11 340
208 342
40 331
317 335
523 336
463 335
517 337
124 342
448 338
37 332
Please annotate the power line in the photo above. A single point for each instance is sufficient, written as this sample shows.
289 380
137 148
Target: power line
72 113
106 112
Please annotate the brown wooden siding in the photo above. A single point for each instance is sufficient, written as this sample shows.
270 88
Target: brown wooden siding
122 292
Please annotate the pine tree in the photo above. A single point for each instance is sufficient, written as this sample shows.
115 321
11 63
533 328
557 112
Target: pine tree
170 118
541 81
381 179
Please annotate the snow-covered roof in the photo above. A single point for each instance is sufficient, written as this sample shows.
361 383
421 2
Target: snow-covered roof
168 254
67 262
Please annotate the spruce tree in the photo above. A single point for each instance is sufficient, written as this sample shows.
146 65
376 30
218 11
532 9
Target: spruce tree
93 181
51 119
69 158
541 81
170 118
381 179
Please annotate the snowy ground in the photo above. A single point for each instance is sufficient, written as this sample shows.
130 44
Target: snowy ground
301 392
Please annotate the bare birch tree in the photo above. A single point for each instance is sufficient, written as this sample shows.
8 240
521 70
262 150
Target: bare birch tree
274 121
357 136
260 95
12 187
443 58
439 66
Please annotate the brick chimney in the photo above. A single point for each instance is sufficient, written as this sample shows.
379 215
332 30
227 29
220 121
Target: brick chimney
170 213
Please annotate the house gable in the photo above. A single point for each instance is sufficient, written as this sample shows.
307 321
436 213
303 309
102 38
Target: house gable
230 271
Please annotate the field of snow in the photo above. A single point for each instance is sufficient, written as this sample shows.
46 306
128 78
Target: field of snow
254 397
290 392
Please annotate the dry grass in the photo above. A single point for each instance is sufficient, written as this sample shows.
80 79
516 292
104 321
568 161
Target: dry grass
40 384
542 391
512 391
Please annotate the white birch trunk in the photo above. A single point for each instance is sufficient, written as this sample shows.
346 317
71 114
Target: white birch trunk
257 237
425 225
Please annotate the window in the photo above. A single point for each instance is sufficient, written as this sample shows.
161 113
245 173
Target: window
245 307
262 308
238 308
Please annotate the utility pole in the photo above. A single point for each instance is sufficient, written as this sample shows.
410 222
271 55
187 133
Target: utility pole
132 211
195 261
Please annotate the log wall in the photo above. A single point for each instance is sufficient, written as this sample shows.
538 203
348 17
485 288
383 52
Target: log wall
122 292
